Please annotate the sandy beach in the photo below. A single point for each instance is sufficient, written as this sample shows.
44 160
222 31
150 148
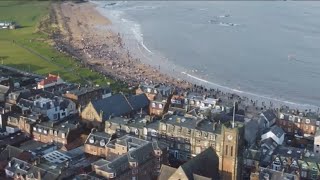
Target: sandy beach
103 50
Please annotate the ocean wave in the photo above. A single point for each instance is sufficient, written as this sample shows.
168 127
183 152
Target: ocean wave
136 30
249 93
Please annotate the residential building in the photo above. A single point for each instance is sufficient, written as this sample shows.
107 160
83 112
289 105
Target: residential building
196 100
54 109
96 112
15 96
20 169
131 158
4 91
204 166
299 124
152 91
50 80
83 95
61 133
268 174
96 143
276 133
269 118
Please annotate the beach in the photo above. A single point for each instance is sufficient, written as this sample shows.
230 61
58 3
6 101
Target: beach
84 35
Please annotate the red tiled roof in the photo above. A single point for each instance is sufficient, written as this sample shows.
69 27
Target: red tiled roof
50 79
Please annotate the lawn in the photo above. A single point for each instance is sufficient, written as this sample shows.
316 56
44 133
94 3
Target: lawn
27 49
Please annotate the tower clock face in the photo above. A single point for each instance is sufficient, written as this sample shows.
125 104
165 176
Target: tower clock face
230 137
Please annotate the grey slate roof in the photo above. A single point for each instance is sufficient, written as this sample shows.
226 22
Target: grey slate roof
276 130
115 105
196 165
97 137
269 115
138 101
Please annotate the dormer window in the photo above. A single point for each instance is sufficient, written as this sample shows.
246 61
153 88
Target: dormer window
39 130
102 143
55 133
153 105
281 116
35 128
191 102
63 135
91 140
45 131
307 121
148 90
160 106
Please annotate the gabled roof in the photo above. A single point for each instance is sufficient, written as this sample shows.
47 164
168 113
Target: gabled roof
196 165
269 115
50 79
115 105
203 166
276 130
138 101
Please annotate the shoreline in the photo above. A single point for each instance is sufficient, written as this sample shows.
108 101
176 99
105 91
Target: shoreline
95 45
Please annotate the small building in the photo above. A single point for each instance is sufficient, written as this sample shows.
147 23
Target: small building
54 109
50 80
4 91
8 25
96 143
276 133
269 118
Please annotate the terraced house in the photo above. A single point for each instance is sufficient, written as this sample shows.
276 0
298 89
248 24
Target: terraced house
300 124
61 133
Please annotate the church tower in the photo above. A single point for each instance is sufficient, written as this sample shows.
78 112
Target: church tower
232 138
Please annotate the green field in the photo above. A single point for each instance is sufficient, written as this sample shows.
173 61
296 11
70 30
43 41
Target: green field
28 49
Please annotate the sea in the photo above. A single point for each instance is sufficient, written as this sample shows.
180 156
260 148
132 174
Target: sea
265 50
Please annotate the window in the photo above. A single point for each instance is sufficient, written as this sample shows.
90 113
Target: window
226 153
303 174
231 153
317 151
198 150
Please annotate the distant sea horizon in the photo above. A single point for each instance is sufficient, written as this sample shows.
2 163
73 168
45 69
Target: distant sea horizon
263 50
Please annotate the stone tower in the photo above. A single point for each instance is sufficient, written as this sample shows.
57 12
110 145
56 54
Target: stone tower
232 141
